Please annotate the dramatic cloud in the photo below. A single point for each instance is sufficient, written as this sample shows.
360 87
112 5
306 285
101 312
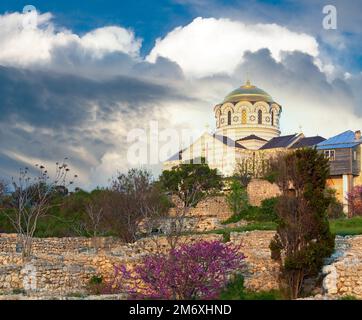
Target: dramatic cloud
45 117
224 43
62 94
309 100
34 45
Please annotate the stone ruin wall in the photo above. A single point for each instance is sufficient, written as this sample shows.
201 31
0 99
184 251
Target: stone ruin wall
64 271
206 216
261 273
343 276
60 267
210 213
259 190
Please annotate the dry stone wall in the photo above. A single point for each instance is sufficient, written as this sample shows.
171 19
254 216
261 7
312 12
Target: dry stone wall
261 272
206 216
8 243
344 273
259 190
65 269
216 207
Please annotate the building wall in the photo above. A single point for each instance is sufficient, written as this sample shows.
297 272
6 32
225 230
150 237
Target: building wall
358 179
244 119
336 183
219 156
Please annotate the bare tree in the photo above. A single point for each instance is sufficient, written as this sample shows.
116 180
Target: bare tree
95 214
31 200
132 199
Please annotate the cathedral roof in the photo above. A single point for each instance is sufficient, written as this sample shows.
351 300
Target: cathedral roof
251 137
228 141
248 92
308 142
280 142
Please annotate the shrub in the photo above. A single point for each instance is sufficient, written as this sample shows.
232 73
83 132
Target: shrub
303 239
268 210
96 285
19 291
335 209
237 199
191 271
235 290
355 201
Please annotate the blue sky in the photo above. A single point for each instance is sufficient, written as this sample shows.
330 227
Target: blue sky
90 71
149 19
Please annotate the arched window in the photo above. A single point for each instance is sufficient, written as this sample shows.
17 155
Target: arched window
260 117
272 118
229 118
243 117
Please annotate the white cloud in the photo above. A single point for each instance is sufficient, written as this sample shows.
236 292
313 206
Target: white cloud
208 46
111 39
26 47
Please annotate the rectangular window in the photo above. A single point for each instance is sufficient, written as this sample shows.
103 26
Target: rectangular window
330 154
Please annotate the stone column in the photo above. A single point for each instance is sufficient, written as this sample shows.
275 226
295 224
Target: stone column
347 187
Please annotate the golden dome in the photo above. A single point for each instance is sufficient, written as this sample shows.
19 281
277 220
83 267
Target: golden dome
248 92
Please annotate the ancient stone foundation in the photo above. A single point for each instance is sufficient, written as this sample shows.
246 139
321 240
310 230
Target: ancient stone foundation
259 190
344 273
61 267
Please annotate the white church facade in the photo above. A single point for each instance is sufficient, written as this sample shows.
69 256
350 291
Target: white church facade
247 127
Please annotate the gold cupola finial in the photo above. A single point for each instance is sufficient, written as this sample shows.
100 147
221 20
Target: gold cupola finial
248 83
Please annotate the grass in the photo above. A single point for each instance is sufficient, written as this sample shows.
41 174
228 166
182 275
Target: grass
268 225
265 213
249 227
235 290
342 227
346 227
248 214
348 298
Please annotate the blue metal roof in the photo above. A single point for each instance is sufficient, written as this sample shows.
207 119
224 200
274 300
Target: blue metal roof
341 141
338 146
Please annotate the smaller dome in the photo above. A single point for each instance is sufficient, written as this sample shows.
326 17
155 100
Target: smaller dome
248 92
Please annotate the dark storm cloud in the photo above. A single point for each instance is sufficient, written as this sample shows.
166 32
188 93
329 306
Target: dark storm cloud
49 115
296 73
53 100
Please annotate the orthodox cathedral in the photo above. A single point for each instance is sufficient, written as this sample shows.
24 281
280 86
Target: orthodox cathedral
247 129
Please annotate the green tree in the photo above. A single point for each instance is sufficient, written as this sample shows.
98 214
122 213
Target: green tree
303 239
188 183
237 198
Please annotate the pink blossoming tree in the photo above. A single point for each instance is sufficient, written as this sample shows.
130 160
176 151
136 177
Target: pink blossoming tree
192 271
355 201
